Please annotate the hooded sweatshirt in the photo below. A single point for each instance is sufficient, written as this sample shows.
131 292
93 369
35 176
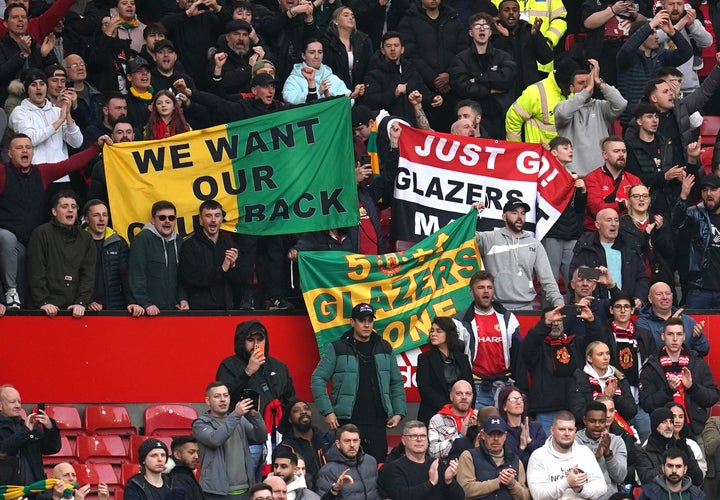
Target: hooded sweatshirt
513 259
272 381
614 470
153 269
548 467
49 145
657 490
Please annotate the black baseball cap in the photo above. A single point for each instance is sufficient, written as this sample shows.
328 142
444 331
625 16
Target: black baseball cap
513 204
164 43
711 180
262 79
362 310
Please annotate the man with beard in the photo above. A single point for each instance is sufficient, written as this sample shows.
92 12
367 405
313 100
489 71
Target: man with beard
122 131
415 475
207 262
618 253
649 458
231 65
491 470
284 464
165 71
350 473
453 420
562 468
703 224
310 442
491 335
61 260
608 185
609 449
184 451
672 480
514 256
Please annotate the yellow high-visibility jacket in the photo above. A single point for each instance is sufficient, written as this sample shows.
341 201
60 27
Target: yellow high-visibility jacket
533 112
554 25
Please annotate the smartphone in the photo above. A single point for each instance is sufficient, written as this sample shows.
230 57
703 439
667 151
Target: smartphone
572 311
40 407
589 273
69 84
579 470
260 349
254 395
365 160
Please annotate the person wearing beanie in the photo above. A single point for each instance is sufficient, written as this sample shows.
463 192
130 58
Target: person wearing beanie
307 440
649 458
151 482
224 433
50 128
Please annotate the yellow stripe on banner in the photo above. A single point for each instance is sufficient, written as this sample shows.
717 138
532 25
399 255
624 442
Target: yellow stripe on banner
410 290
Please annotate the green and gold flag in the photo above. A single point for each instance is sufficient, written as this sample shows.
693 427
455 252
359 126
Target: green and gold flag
407 289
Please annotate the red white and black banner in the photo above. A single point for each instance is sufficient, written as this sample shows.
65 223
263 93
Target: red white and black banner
439 175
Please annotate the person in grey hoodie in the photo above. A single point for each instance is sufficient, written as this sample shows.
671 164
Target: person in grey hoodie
609 449
226 470
152 270
513 255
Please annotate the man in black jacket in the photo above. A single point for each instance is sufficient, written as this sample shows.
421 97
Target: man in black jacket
184 451
24 440
112 290
207 261
485 74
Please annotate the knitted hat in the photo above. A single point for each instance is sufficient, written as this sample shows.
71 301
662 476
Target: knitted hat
32 75
149 445
660 415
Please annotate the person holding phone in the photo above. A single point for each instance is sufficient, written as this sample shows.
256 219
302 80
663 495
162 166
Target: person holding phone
24 440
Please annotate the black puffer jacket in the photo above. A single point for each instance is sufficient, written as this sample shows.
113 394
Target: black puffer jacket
271 381
114 259
335 56
432 45
657 247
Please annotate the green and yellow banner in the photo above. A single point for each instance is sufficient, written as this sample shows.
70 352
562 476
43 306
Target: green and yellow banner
407 289
280 173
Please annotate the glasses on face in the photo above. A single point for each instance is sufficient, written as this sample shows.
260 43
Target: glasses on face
416 437
263 498
168 217
622 307
640 196
77 65
481 26
516 399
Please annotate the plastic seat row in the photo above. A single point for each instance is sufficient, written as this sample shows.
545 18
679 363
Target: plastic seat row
160 420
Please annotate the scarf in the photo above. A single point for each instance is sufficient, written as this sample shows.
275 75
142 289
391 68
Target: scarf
373 150
597 385
9 492
132 23
674 369
625 425
145 96
561 355
161 131
628 352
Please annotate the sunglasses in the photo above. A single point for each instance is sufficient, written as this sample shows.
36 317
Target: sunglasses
164 217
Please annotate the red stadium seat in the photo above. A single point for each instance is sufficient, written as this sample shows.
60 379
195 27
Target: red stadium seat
136 441
169 420
393 440
67 418
108 420
709 130
66 453
706 158
102 450
127 471
93 474
715 410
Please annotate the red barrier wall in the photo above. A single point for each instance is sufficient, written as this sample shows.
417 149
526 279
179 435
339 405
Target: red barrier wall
170 358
